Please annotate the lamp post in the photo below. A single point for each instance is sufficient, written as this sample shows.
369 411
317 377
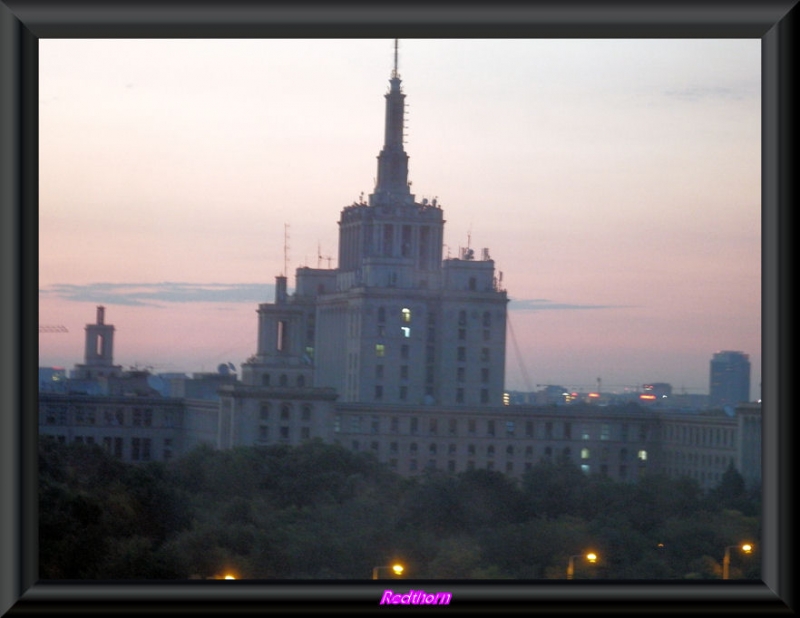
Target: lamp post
591 557
726 559
396 568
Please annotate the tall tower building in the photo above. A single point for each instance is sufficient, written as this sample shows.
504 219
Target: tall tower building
98 356
394 323
730 379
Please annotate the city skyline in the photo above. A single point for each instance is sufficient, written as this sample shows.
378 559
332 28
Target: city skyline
616 185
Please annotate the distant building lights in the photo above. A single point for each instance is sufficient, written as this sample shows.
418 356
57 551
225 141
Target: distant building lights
647 397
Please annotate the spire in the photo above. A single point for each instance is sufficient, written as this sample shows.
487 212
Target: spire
393 160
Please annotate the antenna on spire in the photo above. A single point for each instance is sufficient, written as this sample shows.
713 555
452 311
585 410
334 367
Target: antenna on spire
286 249
394 72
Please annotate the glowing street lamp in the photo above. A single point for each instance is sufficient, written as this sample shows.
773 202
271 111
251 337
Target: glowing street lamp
591 557
726 559
397 569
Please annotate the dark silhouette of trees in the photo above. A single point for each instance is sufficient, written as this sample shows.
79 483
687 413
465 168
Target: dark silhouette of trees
319 511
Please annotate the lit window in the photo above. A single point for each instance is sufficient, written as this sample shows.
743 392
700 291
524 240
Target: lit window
406 331
584 453
406 315
642 455
380 349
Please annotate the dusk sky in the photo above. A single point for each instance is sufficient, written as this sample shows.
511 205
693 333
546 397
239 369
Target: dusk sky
616 184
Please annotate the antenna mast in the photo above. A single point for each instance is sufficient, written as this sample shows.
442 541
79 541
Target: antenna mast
394 72
286 249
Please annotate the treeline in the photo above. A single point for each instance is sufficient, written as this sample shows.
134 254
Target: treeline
318 511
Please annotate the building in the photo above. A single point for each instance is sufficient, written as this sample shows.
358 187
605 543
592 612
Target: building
729 382
394 324
400 353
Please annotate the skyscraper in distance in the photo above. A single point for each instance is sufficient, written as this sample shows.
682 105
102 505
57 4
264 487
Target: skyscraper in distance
729 379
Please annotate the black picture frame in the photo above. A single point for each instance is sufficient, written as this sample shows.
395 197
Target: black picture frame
23 23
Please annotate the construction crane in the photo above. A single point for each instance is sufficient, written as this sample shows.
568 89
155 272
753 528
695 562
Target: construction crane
46 328
522 368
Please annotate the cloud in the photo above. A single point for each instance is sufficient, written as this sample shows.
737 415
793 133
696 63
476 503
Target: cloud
542 304
697 93
156 294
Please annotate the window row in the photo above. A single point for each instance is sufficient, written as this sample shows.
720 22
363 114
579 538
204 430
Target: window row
65 415
283 380
285 411
472 450
545 430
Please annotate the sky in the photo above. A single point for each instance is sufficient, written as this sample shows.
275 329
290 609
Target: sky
615 182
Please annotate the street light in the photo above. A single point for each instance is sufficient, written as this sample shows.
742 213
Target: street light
591 557
726 559
396 568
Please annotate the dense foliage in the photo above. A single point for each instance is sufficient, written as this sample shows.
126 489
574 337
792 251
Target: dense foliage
319 511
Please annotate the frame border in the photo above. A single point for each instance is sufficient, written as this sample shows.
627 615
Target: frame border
22 23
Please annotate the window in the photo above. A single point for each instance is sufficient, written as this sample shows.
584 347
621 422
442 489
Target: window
374 446
381 314
433 428
461 354
489 428
432 448
393 447
484 395
305 433
471 426
378 391
510 450
394 424
306 414
642 455
510 428
471 450
451 426
568 431
490 450
412 448
528 429
286 411
265 379
404 372
263 413
585 433
263 433
459 395
484 374
414 425
284 434
451 449
136 449
584 453
528 452
462 318
404 351
378 372
605 432
548 430
137 417
375 425
380 350
406 315
283 380
461 374
337 423
462 334
406 331
355 424
487 319
485 355
301 381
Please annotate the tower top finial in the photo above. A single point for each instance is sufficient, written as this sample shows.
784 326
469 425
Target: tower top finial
394 71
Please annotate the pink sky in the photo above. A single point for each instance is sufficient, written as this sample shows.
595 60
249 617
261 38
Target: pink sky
616 184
